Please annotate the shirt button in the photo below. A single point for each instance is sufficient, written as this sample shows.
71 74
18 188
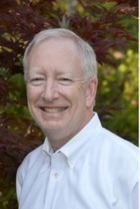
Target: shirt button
56 175
71 163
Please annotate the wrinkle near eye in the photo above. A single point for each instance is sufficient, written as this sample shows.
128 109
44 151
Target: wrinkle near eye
80 84
36 81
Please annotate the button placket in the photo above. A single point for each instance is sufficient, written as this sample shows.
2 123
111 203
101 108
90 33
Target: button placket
58 163
57 174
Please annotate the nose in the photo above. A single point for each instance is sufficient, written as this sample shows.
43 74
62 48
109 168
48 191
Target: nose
50 91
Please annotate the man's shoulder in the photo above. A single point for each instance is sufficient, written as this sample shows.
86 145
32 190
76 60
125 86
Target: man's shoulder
118 144
34 153
114 143
122 157
30 158
118 139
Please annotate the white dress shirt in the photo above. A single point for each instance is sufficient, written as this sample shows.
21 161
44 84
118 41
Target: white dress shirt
96 169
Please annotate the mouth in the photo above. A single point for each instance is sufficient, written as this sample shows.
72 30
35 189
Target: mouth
54 110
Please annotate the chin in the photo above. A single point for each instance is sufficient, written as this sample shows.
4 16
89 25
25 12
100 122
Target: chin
53 127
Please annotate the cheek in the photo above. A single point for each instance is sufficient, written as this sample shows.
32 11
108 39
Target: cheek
79 90
89 100
30 98
79 98
29 91
32 93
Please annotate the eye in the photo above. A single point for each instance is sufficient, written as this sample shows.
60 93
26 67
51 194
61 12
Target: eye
36 81
65 81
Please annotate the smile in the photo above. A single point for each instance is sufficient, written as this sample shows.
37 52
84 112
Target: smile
54 110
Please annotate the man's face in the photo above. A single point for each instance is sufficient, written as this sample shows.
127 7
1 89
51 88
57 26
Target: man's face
59 100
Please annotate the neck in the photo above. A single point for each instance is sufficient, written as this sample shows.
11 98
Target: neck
57 143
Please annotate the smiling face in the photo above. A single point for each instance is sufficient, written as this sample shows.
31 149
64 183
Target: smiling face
59 100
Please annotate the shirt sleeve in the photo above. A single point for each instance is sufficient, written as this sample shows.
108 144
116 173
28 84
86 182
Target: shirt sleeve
21 173
19 182
134 204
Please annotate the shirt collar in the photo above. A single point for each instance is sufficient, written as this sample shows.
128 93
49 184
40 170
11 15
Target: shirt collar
73 148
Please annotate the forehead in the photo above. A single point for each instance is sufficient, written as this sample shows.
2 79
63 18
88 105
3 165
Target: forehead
60 49
56 52
65 45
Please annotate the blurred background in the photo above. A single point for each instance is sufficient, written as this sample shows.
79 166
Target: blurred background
111 27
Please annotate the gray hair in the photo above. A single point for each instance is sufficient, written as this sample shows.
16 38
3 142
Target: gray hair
86 52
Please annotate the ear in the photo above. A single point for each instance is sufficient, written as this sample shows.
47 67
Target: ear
91 91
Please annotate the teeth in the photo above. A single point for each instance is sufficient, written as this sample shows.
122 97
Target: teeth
54 110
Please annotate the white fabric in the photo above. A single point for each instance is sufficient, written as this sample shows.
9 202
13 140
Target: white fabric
94 170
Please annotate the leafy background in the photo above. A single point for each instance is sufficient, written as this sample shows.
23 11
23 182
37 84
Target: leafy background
111 27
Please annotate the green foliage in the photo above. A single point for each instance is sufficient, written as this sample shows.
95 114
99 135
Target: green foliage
7 196
117 99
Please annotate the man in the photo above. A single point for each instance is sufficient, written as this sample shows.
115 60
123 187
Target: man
81 165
